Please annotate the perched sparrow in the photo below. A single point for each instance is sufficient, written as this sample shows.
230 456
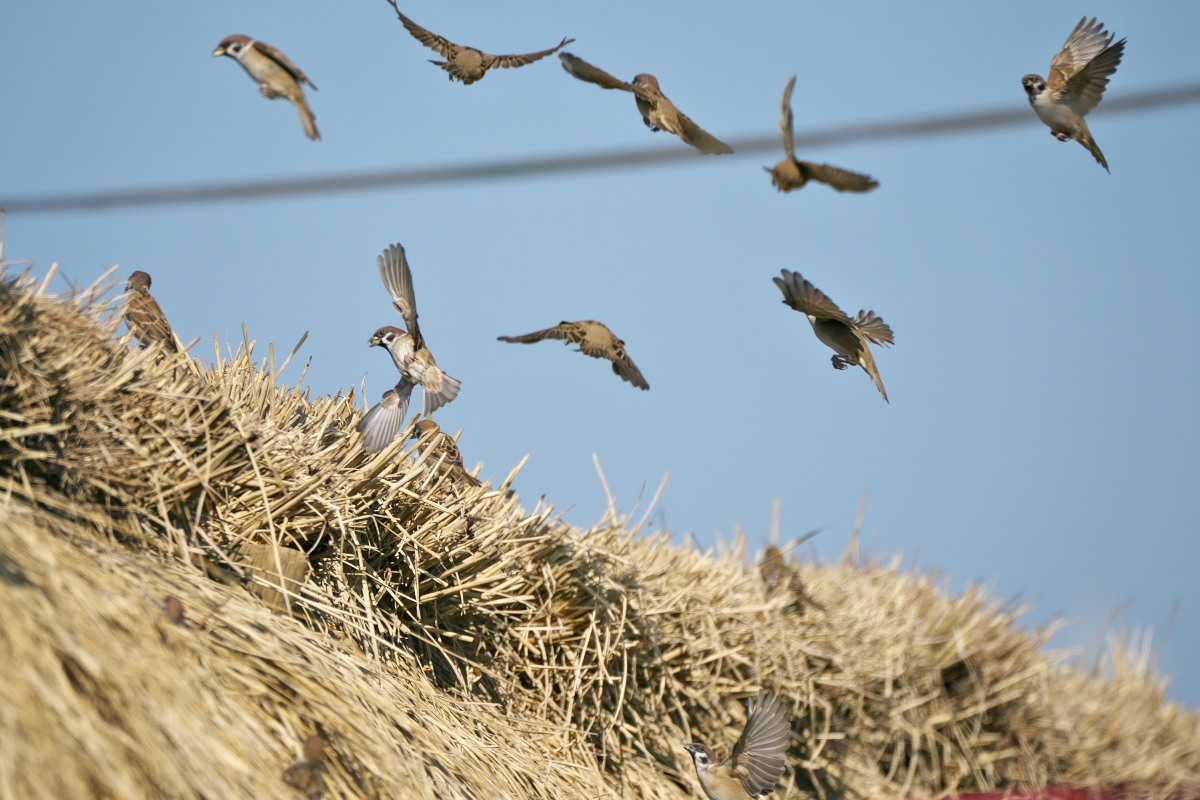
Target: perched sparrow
429 435
791 174
1078 75
384 420
410 355
145 319
776 572
849 338
466 63
277 76
595 340
659 113
306 773
757 760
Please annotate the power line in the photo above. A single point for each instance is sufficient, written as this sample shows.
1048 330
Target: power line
420 176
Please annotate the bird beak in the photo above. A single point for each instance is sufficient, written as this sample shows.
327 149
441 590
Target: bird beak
768 169
220 51
373 341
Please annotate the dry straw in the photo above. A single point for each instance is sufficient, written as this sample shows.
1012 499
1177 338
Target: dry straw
443 641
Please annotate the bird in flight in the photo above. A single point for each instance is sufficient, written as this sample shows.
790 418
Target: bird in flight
468 64
658 112
849 338
409 353
757 760
792 173
277 76
1077 79
595 340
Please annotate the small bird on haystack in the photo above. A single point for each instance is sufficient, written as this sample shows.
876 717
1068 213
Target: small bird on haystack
429 435
757 760
144 317
306 774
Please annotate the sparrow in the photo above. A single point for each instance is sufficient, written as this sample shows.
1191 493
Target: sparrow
849 338
595 340
468 64
277 76
144 317
410 355
429 435
792 174
756 763
1078 75
658 112
306 773
776 571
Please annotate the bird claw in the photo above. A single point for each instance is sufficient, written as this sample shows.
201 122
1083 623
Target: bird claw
839 362
266 91
1062 137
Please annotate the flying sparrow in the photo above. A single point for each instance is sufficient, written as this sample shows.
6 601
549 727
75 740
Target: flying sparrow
429 435
468 64
381 424
407 348
792 174
1078 75
658 112
144 317
849 338
306 773
595 340
277 76
757 760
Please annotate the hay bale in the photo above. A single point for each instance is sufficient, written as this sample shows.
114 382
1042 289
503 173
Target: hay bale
445 642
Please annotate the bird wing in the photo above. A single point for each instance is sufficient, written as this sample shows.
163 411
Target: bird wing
1085 90
397 279
526 58
808 299
577 67
701 139
426 37
381 424
1084 44
758 756
279 58
566 331
785 122
872 326
841 179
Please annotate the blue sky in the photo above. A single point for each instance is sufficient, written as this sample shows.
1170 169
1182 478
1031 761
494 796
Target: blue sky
1042 434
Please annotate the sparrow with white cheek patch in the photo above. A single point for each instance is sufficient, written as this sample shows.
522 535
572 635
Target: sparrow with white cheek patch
468 64
757 761
849 338
658 112
595 340
144 317
407 348
277 76
792 174
1078 76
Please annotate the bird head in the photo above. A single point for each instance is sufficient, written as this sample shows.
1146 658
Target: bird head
138 280
646 81
1034 84
386 337
702 755
235 46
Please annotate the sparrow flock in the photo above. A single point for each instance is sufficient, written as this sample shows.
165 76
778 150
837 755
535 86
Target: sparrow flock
1078 76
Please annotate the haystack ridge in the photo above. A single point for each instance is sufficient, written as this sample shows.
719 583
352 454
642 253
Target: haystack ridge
443 641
